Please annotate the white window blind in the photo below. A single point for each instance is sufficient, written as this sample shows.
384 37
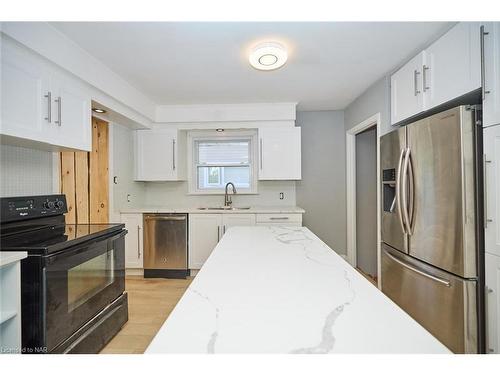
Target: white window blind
221 153
218 162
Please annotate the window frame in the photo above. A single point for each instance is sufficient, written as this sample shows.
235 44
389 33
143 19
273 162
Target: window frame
195 136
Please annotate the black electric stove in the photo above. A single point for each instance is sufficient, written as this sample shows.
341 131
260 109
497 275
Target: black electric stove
73 280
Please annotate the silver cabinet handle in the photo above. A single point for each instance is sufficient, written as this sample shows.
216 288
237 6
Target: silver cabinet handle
49 107
173 154
420 272
398 190
260 153
424 78
59 111
138 241
485 191
223 229
218 233
483 72
415 82
165 218
279 218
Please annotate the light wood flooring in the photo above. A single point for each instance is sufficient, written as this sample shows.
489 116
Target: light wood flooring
150 302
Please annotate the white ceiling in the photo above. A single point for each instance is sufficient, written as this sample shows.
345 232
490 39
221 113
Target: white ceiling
329 64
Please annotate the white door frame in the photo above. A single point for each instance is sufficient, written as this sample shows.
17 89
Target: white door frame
373 121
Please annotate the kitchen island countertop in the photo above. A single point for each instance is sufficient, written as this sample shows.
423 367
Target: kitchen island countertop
282 290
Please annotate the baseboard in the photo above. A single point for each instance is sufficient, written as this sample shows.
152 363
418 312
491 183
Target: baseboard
134 272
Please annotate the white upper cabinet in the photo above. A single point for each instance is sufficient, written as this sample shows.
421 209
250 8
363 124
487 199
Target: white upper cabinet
406 89
71 114
448 69
491 73
159 156
452 65
280 153
25 97
41 104
491 136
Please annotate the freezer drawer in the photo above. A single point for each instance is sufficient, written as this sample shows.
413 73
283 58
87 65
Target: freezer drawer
443 304
165 244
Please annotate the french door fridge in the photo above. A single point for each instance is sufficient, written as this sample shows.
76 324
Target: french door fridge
429 251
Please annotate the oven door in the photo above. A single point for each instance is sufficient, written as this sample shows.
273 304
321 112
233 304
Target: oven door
80 282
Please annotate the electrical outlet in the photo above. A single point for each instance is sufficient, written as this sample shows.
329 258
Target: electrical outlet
282 196
128 197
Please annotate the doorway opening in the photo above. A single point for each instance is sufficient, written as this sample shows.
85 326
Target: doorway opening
363 198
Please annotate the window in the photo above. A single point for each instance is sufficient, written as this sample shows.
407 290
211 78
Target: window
218 160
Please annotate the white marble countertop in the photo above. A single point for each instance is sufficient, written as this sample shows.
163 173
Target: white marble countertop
196 210
282 290
8 257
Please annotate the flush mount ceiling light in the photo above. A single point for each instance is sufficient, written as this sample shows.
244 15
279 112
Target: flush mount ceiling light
99 110
268 56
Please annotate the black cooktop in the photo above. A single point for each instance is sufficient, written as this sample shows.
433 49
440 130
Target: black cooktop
36 224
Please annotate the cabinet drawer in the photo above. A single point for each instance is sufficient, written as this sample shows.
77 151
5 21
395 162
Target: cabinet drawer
279 218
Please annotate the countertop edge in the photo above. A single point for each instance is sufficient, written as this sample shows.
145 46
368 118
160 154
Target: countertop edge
9 257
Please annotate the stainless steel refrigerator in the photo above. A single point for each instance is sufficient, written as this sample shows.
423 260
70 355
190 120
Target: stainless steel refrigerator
429 245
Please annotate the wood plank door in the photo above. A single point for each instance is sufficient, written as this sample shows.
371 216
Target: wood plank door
84 179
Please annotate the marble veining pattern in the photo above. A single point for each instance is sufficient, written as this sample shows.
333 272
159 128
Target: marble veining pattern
215 333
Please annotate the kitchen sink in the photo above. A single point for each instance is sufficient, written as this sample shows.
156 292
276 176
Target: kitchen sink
224 208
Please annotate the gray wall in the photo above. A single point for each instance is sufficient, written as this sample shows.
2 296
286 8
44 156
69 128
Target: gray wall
377 98
25 171
366 201
322 190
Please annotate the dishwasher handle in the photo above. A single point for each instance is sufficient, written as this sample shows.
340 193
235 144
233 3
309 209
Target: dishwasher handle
165 218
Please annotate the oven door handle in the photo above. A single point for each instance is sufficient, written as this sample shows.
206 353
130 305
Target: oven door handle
82 247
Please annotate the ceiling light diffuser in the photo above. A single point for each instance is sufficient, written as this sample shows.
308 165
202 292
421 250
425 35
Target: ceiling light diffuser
268 56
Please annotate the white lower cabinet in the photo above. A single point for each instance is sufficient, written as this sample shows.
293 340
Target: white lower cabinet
133 240
206 230
289 220
204 234
235 220
492 303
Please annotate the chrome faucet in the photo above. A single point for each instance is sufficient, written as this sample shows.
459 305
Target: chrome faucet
227 197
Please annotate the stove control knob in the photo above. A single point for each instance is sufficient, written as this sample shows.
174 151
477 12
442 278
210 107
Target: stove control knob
59 204
49 205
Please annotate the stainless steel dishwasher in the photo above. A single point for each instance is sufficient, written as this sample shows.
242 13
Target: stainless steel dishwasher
165 246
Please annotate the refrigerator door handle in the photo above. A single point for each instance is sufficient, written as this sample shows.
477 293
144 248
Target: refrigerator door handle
411 190
405 191
398 190
420 272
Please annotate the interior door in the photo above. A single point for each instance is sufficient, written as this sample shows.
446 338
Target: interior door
442 224
442 303
392 147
